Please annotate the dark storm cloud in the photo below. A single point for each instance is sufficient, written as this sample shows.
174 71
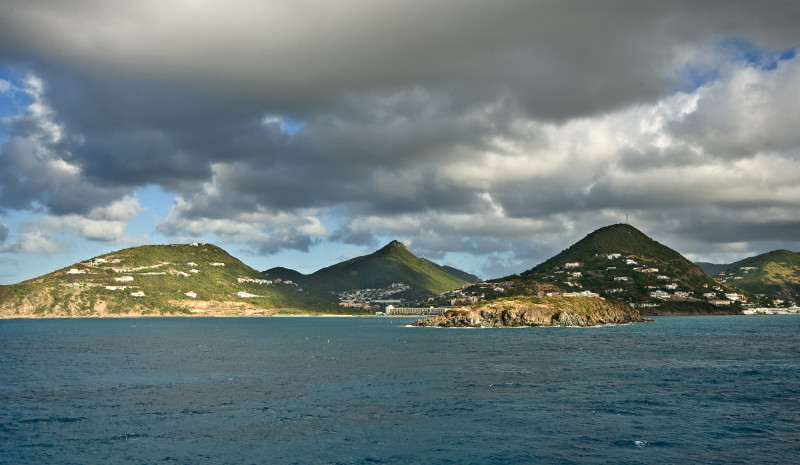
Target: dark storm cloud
470 126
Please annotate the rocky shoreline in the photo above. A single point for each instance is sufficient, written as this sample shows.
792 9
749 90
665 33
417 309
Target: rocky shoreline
537 311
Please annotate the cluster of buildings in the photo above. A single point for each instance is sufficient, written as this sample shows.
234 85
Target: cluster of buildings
372 298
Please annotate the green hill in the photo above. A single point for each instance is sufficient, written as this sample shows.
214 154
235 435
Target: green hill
775 274
711 269
620 262
389 265
463 275
187 279
284 274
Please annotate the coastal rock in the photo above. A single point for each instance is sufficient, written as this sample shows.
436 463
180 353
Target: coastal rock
537 311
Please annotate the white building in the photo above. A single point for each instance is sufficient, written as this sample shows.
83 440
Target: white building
660 295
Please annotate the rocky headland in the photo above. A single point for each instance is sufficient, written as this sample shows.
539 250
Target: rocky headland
537 311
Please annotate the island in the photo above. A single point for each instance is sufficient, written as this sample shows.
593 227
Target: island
536 311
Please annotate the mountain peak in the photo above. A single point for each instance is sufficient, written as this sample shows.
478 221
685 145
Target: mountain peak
620 262
393 263
394 246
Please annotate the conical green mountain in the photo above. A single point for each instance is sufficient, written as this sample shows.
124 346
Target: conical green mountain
775 274
154 280
620 262
391 264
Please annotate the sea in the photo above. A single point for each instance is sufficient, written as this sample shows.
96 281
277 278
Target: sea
374 390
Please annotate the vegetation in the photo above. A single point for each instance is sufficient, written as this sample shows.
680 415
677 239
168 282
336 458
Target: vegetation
774 274
621 263
616 262
391 264
166 280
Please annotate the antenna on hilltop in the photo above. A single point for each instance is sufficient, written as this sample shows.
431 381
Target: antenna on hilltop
626 218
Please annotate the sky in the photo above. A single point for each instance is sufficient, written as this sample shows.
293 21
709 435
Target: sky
486 135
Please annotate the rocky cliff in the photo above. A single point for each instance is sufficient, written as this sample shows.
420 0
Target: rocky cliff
537 311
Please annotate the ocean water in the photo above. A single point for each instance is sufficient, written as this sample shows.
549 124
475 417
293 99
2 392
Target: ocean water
374 390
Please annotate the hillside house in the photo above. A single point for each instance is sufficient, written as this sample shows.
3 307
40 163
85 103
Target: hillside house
123 279
75 271
613 256
191 294
660 295
137 294
572 265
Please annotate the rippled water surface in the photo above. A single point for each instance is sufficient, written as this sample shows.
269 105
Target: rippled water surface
373 390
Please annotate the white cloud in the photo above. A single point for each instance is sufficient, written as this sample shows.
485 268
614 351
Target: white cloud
120 210
33 241
259 228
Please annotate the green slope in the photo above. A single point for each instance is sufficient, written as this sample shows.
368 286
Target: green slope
284 274
775 274
463 275
391 264
620 262
162 274
711 269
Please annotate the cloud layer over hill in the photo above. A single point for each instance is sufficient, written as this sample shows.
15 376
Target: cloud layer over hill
499 131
